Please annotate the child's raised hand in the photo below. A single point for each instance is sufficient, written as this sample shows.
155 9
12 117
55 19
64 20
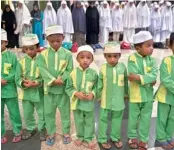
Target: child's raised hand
3 82
80 95
27 83
35 84
133 77
58 81
90 96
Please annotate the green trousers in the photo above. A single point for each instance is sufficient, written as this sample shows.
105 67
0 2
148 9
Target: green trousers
28 108
116 121
85 125
14 115
51 103
139 117
165 122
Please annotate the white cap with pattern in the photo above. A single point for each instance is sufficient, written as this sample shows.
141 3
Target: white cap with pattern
85 48
29 39
53 29
3 35
141 37
112 47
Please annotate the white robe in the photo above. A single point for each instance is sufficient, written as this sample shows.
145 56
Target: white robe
50 17
166 24
117 20
64 18
129 22
105 24
155 26
173 18
143 15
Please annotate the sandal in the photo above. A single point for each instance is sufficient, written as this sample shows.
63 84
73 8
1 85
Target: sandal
50 141
28 134
118 144
142 146
106 146
66 139
43 135
171 142
164 145
4 140
78 142
133 143
17 138
92 145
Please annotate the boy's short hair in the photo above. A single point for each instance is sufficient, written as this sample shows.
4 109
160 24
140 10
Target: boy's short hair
171 40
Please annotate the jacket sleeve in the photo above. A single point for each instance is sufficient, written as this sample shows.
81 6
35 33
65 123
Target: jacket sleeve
166 77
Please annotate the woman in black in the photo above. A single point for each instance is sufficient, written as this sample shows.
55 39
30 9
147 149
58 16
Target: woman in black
9 24
92 24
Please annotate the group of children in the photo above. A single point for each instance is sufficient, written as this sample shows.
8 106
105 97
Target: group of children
48 81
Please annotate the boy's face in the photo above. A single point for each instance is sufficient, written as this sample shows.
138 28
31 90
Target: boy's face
112 58
146 49
3 45
55 41
85 59
31 50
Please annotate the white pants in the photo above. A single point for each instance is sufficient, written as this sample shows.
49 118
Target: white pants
104 35
156 37
128 35
165 35
67 37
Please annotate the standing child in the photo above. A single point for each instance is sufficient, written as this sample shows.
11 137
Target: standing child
165 97
28 78
9 91
81 87
142 70
112 89
55 64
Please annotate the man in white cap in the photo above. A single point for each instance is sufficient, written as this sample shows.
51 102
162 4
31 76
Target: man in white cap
29 80
64 18
112 90
55 64
142 74
81 87
9 96
105 22
129 21
143 15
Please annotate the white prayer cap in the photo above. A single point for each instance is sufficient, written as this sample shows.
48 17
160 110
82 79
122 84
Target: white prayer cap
122 3
63 2
29 39
54 29
3 35
49 4
155 3
161 2
151 5
96 3
112 47
85 48
169 4
131 1
156 6
141 37
105 2
117 4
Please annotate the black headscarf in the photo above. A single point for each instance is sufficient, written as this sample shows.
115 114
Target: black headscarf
35 14
8 18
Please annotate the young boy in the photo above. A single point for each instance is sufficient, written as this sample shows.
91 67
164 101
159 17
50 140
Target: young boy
81 87
28 78
112 89
55 64
142 74
9 95
165 97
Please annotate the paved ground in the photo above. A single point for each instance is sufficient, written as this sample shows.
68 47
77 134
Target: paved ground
99 59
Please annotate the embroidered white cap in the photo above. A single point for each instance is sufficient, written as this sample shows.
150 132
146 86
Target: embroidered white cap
29 39
3 35
112 47
53 29
85 48
141 37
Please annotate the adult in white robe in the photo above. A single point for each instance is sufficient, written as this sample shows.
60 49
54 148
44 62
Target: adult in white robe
155 26
97 5
143 15
129 21
23 19
105 23
50 17
117 22
64 18
166 24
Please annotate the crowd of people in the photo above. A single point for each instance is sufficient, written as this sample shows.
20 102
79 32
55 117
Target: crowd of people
91 22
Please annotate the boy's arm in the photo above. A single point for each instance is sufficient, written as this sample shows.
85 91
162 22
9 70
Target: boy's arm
68 69
11 76
151 76
94 89
47 77
99 86
166 78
